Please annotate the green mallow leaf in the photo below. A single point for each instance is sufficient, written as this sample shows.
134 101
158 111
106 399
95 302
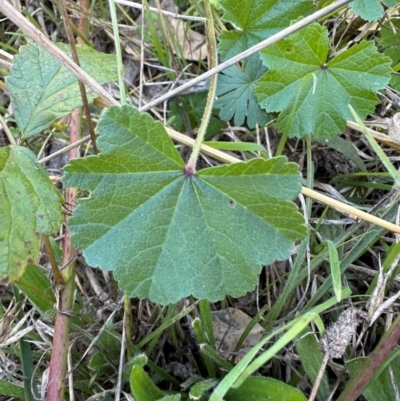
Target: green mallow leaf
389 44
235 91
167 235
313 93
256 20
371 10
42 90
29 206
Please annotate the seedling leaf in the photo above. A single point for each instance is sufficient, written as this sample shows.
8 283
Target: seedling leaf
167 235
42 90
29 206
256 20
235 91
312 93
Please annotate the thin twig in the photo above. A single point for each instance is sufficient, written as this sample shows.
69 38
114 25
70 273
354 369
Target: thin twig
7 131
318 380
75 57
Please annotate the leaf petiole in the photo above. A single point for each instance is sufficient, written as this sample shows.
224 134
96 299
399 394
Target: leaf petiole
190 168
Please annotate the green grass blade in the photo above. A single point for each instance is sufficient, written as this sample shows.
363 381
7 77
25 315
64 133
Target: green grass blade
380 153
335 269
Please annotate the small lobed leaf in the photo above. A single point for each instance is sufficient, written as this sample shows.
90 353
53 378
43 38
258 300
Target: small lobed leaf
389 44
313 93
256 20
167 235
235 92
29 206
42 90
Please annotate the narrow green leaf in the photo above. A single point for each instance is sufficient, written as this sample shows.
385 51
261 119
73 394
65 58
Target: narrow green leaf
167 235
311 360
29 206
198 390
213 355
245 368
174 397
335 269
306 107
391 3
378 150
206 320
256 20
380 388
37 288
42 90
11 389
237 146
264 389
142 387
298 326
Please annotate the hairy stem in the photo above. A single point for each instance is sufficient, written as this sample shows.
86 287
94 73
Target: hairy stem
213 60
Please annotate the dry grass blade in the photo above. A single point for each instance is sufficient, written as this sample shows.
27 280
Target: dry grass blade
10 334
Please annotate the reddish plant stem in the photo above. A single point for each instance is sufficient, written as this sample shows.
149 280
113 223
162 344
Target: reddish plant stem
386 345
82 23
58 362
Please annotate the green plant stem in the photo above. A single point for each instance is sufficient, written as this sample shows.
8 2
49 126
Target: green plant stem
206 317
118 52
128 326
212 50
310 174
199 334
